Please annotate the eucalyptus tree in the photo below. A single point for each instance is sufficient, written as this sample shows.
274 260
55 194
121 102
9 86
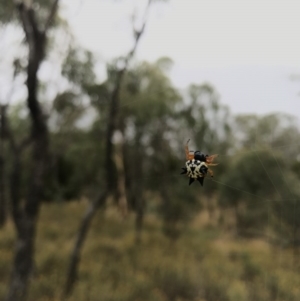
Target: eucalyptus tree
3 198
36 22
114 95
275 131
146 121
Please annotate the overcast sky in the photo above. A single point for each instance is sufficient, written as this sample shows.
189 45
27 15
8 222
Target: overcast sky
247 49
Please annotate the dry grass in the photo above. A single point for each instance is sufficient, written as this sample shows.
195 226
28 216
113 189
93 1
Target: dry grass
205 264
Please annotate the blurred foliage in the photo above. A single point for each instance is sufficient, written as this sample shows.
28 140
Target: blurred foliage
8 13
259 183
255 192
155 119
279 131
78 67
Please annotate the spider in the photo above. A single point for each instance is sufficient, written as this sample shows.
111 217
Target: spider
196 166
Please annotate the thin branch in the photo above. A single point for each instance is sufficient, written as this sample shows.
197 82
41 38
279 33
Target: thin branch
81 235
25 21
51 15
115 99
138 34
34 36
109 156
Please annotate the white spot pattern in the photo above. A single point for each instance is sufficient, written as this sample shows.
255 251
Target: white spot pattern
193 168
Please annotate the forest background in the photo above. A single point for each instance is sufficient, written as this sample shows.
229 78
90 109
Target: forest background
92 203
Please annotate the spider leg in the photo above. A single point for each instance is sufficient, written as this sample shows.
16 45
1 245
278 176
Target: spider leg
211 173
211 158
188 154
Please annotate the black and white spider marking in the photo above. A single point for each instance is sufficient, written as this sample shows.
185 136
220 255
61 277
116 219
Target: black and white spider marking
195 170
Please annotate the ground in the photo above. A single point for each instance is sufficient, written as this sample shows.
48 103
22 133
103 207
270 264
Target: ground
206 263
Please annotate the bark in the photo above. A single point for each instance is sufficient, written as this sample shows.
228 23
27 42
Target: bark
109 163
25 218
121 187
138 189
111 126
3 201
115 103
81 236
24 246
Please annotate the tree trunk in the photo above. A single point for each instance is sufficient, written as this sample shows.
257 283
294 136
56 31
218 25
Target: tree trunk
23 261
138 189
121 187
3 202
81 236
25 218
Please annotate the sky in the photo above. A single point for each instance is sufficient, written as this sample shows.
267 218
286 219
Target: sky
248 50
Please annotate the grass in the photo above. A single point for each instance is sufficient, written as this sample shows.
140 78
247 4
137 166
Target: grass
205 264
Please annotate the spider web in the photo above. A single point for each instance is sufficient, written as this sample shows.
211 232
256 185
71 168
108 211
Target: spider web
269 200
268 178
269 237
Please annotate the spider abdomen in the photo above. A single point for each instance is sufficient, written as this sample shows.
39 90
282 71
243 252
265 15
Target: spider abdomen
195 170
